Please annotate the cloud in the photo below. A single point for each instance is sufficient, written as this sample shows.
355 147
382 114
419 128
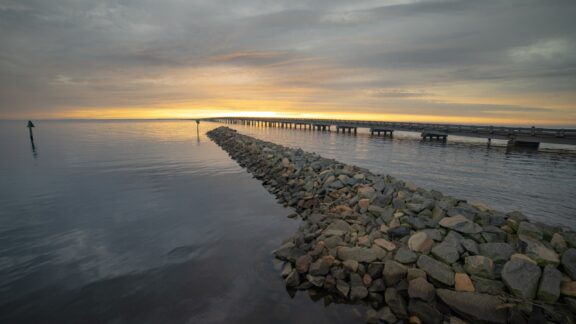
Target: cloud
65 55
399 93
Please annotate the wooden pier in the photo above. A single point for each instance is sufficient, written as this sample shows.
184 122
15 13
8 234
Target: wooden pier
518 136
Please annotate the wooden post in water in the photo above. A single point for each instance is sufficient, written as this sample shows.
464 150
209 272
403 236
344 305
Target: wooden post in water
30 126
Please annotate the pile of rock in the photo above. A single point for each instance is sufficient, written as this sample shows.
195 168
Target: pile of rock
416 255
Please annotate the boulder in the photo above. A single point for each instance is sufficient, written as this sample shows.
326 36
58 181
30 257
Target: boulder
538 252
385 244
436 270
463 283
321 267
317 281
303 263
386 316
360 254
473 306
422 289
287 269
398 232
420 242
558 242
569 262
357 288
549 288
343 287
480 266
350 265
288 252
393 272
404 255
488 286
338 227
521 278
424 312
460 224
414 273
568 288
498 252
522 257
396 303
470 246
366 192
446 252
293 279
375 270
529 230
377 286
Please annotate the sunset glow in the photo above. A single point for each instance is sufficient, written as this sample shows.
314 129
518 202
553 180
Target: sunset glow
420 61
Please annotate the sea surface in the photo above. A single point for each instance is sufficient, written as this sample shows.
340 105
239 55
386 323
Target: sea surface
151 222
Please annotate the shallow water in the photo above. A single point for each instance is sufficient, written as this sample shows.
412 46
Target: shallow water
139 222
150 222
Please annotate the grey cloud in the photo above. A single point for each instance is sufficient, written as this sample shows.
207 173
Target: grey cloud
330 47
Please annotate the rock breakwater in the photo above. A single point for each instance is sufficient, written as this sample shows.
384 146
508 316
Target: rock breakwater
414 255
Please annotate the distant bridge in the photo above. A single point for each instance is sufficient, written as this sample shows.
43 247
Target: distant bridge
521 136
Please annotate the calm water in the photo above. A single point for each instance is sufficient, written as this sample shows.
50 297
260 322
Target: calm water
150 222
138 222
540 183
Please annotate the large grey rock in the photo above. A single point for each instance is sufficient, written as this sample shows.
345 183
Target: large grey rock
360 254
393 272
404 255
293 279
414 273
396 303
470 246
521 278
436 270
530 230
321 267
434 234
338 227
488 286
492 233
422 289
498 252
480 266
538 252
473 306
456 240
569 262
549 288
317 281
461 224
426 312
288 252
558 242
446 252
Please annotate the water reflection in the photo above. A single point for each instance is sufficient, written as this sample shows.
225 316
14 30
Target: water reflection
136 222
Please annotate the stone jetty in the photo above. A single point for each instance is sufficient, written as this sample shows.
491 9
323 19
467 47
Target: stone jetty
414 255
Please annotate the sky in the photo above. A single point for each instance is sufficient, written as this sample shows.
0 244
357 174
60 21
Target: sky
450 61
